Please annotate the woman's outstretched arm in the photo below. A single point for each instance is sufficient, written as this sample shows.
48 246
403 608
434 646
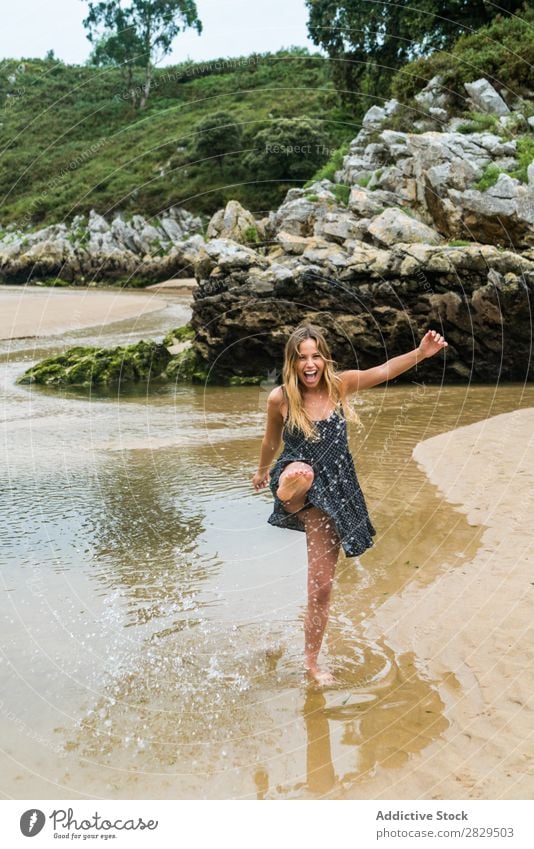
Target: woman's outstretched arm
354 379
272 439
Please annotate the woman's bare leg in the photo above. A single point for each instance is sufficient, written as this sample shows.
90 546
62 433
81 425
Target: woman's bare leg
323 549
294 483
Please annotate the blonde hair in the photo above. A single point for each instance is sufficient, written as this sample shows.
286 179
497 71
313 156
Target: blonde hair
298 418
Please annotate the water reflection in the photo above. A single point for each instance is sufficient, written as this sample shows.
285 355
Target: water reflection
216 715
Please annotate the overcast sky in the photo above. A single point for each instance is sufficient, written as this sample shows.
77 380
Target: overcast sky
230 28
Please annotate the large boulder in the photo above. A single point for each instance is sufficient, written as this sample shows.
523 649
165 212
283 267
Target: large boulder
233 222
393 226
486 98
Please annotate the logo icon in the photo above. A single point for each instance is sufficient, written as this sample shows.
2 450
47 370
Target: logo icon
31 822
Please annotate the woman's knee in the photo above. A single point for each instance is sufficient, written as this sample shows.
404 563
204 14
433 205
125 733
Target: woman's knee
319 596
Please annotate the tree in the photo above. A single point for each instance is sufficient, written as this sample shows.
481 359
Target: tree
137 36
370 39
217 135
290 149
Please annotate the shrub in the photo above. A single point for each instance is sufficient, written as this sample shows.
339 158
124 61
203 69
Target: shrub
525 155
328 170
503 52
489 177
480 122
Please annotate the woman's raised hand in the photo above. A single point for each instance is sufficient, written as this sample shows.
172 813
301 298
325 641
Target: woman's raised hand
431 343
260 480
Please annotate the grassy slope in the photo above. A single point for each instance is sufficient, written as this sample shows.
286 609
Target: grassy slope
70 143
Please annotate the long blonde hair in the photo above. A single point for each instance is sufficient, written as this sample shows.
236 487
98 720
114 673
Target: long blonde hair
298 418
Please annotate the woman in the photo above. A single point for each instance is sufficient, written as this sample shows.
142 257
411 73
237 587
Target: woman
314 482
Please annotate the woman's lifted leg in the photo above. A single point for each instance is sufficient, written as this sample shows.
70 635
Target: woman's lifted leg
294 483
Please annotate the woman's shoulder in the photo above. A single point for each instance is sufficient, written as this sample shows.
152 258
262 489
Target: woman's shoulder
276 400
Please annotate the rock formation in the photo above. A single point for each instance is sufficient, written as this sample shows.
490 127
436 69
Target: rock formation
89 251
421 244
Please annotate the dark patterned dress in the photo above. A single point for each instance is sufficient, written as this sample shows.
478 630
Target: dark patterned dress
335 488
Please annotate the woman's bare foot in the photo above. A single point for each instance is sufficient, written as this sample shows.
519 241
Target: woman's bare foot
321 676
292 481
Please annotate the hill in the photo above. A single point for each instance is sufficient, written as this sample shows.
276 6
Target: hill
72 142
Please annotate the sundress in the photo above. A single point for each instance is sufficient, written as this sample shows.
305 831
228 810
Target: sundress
335 489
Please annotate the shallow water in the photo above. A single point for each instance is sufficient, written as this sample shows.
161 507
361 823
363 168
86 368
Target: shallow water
152 619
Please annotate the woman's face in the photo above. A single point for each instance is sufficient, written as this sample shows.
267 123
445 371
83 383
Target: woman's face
310 364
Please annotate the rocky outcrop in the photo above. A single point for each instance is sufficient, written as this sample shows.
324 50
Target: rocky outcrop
374 303
140 363
437 232
486 98
436 174
133 251
425 241
236 223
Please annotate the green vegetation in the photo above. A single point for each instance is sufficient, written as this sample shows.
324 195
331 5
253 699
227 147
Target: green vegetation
368 41
251 234
328 170
74 142
144 361
287 150
502 52
480 122
459 243
180 334
135 37
489 177
341 193
217 136
525 155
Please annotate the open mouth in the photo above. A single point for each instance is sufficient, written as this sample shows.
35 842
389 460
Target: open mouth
310 375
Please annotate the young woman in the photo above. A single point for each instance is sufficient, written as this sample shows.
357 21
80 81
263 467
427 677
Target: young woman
314 482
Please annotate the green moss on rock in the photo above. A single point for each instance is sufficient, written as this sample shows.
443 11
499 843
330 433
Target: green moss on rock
78 366
180 334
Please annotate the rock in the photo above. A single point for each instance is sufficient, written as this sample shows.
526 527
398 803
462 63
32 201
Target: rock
486 98
93 249
142 362
297 217
330 255
433 95
233 222
226 256
503 213
373 118
339 226
294 244
439 114
363 202
393 225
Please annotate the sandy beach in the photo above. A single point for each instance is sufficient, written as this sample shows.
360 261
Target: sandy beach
32 311
462 731
472 629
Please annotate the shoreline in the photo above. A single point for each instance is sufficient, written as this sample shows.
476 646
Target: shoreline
472 629
30 312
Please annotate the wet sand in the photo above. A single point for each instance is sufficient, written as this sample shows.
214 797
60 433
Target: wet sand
33 311
472 628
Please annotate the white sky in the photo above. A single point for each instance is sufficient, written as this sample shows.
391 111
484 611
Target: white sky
231 28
